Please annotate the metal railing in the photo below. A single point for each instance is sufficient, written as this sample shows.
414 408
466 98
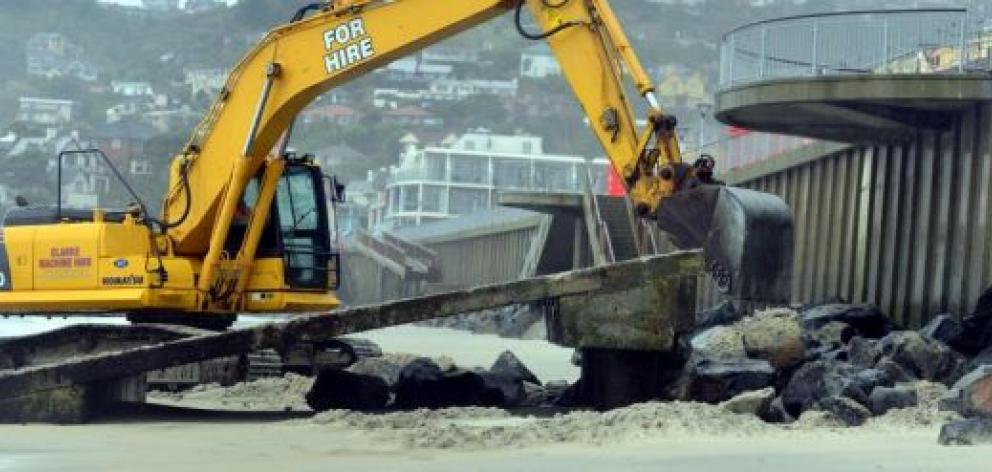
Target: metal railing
737 152
602 233
944 40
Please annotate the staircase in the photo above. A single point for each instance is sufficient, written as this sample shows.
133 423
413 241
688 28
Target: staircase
613 211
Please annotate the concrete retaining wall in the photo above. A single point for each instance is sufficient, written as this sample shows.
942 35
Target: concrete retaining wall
905 226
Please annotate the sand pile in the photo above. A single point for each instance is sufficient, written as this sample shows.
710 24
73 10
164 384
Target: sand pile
476 428
925 415
267 394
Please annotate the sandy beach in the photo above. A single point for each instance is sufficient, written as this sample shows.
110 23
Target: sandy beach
643 437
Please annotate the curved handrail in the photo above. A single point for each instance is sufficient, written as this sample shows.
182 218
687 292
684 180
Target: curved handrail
927 40
807 16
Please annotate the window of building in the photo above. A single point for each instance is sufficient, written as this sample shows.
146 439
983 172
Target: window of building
411 198
436 167
469 169
552 176
465 201
511 173
433 199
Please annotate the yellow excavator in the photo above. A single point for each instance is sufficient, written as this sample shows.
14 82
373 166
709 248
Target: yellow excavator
244 226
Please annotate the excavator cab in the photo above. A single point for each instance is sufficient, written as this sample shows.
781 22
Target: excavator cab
298 228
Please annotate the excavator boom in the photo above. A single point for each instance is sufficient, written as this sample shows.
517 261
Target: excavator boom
243 226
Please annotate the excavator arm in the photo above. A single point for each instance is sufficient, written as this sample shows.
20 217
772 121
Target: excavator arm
345 39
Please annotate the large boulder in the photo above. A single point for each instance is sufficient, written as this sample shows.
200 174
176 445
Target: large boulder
966 432
508 364
831 336
775 336
924 358
714 381
776 412
422 384
944 328
977 327
844 409
501 389
750 403
866 320
718 342
817 380
895 371
863 352
883 399
980 359
343 390
974 393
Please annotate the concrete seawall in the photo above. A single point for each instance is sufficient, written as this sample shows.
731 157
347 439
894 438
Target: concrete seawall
905 225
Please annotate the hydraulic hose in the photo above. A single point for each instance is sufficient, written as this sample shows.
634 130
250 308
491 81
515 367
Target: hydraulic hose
518 22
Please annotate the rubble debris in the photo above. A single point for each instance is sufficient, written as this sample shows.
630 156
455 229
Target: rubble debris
714 381
775 336
343 390
750 403
966 432
882 399
866 320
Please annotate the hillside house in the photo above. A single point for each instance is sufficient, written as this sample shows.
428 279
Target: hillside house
51 55
538 62
124 141
44 111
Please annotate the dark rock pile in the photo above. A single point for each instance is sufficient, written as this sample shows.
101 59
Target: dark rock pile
423 383
846 361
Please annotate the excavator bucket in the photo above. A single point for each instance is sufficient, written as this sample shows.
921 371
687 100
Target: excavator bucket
746 238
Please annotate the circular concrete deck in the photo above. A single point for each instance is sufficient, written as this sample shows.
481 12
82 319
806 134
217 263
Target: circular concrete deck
853 108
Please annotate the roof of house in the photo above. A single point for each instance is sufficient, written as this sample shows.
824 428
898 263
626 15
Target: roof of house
330 111
409 111
125 129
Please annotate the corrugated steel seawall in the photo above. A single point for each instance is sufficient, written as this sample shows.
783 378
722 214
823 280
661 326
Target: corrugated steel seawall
485 259
904 226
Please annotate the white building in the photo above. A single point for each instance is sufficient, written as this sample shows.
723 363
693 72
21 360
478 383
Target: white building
538 62
452 89
44 111
51 55
465 174
209 81
132 89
